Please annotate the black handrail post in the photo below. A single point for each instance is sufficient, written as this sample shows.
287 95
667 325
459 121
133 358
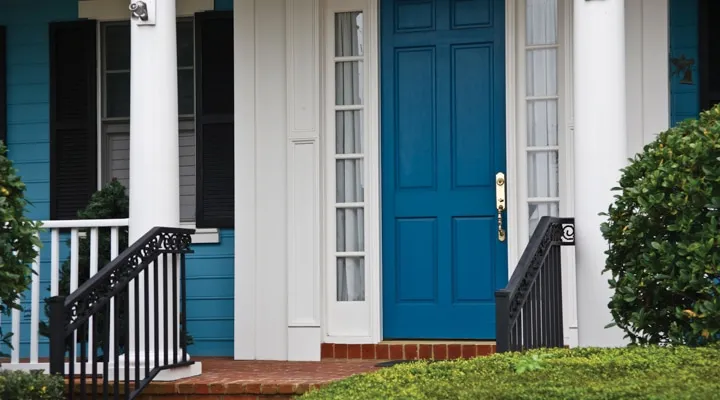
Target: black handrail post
502 316
58 325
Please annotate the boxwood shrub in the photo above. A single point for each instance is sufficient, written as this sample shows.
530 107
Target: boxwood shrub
34 385
647 372
663 230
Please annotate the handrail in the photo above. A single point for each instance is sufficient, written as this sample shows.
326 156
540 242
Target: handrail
529 309
138 282
85 223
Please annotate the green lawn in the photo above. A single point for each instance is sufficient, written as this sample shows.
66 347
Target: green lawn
628 373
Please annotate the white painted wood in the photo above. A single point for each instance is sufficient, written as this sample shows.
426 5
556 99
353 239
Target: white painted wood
271 187
303 234
600 123
299 339
303 169
154 198
245 181
78 229
356 321
656 81
513 30
116 10
35 307
648 82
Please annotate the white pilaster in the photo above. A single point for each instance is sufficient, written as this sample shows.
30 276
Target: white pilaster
600 152
154 152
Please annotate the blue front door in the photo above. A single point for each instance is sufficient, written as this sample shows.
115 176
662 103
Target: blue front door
443 141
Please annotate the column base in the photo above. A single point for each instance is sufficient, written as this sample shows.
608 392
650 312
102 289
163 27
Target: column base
166 375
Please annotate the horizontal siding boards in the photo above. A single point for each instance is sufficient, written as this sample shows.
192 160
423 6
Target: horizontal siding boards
73 117
116 160
214 119
28 115
684 98
3 86
211 266
210 291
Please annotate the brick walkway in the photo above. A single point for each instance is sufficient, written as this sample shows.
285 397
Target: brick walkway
225 379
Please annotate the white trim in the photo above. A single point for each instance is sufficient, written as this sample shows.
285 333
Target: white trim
352 322
245 180
512 115
111 10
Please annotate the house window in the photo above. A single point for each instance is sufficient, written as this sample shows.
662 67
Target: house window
348 136
542 109
115 42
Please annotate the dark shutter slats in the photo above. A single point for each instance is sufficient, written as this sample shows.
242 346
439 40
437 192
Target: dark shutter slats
214 120
3 86
73 117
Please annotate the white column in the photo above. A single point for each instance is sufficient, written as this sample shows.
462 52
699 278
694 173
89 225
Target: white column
600 152
154 155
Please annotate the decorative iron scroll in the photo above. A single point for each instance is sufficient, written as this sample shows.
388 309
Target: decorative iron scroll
113 278
568 231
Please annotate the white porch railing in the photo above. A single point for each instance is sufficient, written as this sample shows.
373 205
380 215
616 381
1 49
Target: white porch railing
32 361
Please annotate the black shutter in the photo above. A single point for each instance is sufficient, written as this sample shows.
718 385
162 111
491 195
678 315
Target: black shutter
3 86
214 119
73 117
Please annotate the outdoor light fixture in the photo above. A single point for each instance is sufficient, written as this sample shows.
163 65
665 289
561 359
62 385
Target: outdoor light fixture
143 12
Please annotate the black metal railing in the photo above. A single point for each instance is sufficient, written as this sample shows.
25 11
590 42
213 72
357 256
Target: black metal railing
529 311
119 323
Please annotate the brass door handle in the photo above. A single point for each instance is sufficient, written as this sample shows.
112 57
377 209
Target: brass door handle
500 203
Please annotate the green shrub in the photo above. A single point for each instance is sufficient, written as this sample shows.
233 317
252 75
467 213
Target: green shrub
18 239
21 385
663 231
585 373
111 202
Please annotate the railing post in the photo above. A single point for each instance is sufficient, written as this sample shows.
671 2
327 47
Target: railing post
502 317
58 322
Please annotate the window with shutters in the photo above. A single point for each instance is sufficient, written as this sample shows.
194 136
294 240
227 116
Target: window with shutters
115 45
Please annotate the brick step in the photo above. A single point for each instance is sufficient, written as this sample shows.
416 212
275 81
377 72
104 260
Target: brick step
407 350
226 379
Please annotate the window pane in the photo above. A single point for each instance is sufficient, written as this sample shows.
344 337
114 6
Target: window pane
542 72
186 91
350 224
541 17
349 132
351 279
117 95
185 44
349 181
348 34
542 123
348 83
538 211
543 174
117 47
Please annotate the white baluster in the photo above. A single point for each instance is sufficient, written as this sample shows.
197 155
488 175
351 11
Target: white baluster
74 271
114 251
15 355
35 308
54 262
94 249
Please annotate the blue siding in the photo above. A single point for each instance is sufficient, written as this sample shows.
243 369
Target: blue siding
684 98
210 270
223 5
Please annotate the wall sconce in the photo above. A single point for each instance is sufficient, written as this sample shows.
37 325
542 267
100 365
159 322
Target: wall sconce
143 12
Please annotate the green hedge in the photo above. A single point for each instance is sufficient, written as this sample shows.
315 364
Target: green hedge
21 385
586 373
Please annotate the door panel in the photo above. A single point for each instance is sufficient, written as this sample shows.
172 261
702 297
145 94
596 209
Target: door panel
443 141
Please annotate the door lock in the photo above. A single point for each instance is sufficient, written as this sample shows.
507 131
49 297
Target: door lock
500 203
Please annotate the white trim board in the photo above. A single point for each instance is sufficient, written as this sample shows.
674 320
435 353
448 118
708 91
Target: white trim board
117 10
